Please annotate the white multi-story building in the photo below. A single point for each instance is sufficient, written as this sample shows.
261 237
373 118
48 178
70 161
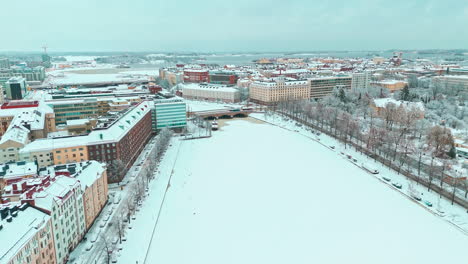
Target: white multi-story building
280 89
212 92
452 81
62 199
360 80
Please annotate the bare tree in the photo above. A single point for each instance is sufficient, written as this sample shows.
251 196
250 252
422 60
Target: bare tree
108 247
440 139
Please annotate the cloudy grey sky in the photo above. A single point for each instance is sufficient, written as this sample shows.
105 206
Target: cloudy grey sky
232 25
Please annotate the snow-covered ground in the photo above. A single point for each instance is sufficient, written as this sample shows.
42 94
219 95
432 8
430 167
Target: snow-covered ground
452 213
258 193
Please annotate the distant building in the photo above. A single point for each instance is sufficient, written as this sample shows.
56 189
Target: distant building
4 63
36 74
323 86
391 85
222 77
170 113
379 105
459 71
15 88
273 91
2 94
196 75
211 92
360 80
378 60
452 81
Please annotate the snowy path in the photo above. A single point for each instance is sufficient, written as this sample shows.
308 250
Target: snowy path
256 193
140 237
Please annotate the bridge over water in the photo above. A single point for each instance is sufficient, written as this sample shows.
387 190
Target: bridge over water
221 113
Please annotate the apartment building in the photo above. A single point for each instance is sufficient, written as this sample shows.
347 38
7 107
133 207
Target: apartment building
360 80
211 92
16 179
89 107
391 85
120 140
323 86
15 172
74 109
15 88
170 113
26 235
452 81
62 199
272 91
196 75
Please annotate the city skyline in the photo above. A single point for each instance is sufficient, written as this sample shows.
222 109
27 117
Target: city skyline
240 26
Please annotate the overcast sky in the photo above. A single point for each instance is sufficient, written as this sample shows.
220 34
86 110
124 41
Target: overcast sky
225 25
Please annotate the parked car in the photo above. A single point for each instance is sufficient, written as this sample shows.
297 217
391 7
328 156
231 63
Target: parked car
94 238
386 178
429 204
397 185
332 147
89 246
416 197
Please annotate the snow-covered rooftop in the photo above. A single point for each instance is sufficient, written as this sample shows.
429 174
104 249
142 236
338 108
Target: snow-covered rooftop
20 230
382 102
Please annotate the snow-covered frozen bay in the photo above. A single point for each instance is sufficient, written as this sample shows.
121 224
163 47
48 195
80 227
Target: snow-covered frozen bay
256 193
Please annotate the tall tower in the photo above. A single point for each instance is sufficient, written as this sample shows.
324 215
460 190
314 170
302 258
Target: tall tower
46 58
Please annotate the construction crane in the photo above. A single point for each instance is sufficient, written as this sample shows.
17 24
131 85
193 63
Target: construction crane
45 49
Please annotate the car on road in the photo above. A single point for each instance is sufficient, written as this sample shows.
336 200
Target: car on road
386 178
102 224
397 185
94 237
89 246
429 204
416 197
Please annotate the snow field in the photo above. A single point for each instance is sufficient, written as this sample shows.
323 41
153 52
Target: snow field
256 193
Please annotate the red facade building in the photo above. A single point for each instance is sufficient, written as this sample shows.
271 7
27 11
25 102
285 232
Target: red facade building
122 141
196 76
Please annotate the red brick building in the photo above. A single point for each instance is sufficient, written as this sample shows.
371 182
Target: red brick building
196 75
121 142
